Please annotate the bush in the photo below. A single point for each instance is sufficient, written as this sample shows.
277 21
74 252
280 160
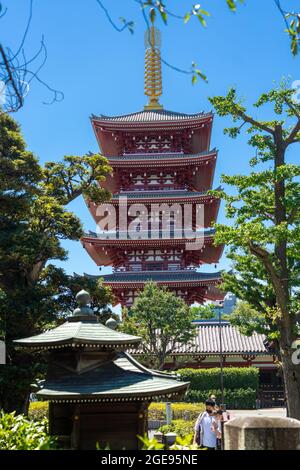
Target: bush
38 410
19 433
209 379
181 427
190 411
243 398
185 443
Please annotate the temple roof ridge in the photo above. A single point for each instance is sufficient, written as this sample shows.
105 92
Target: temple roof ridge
151 115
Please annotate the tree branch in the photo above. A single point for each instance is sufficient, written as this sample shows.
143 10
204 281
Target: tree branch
264 256
258 124
291 138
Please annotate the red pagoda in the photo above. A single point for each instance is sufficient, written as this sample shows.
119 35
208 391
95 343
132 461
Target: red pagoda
158 222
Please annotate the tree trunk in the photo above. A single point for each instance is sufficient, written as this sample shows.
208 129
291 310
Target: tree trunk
291 374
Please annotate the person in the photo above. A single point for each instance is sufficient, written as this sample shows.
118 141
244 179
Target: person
206 427
218 415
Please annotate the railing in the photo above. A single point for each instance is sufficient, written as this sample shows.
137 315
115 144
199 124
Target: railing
152 234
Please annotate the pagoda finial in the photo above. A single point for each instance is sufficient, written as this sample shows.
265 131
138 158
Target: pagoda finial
153 80
83 298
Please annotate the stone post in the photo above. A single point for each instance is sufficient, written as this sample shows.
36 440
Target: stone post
169 414
262 433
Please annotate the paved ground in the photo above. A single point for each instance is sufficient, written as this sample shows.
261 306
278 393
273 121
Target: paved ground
272 412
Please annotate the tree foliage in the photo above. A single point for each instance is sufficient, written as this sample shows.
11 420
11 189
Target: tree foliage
161 319
248 321
33 222
203 312
18 433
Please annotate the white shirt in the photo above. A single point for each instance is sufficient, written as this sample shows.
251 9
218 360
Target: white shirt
209 438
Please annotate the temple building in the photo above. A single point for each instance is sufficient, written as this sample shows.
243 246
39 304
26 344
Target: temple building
158 222
98 393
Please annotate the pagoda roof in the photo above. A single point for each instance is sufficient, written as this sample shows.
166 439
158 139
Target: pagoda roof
110 130
79 333
161 156
159 276
120 379
160 115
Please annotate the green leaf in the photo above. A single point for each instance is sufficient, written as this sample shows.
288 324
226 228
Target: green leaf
231 4
201 19
201 75
187 17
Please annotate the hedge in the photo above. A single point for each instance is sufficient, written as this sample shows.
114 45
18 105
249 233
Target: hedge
181 427
209 379
241 398
38 410
157 411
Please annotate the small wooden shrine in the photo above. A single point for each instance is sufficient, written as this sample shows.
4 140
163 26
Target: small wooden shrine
98 393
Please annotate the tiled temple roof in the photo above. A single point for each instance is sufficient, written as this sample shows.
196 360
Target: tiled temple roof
206 341
156 276
121 378
150 116
78 333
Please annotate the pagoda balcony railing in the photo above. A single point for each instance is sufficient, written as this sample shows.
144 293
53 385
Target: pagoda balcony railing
151 234
163 155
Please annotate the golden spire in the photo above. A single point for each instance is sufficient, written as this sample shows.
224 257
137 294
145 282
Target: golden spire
153 81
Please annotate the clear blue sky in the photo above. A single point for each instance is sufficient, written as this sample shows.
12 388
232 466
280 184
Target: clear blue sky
101 71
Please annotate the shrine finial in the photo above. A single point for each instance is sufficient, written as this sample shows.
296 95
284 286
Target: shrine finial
153 80
83 299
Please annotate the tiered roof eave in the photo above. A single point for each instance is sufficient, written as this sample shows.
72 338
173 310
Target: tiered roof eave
107 128
211 203
151 117
111 251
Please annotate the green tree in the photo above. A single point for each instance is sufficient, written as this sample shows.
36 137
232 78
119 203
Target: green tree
265 213
248 320
161 319
33 221
66 288
203 312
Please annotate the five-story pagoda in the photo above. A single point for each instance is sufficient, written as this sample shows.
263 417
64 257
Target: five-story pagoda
157 225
